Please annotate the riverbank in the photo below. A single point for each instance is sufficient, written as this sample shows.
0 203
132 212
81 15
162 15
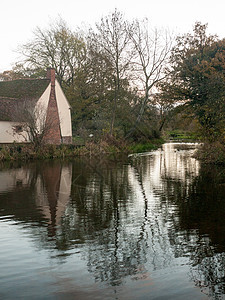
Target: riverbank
181 136
111 148
212 153
208 153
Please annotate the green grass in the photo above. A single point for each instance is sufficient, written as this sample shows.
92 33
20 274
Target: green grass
146 147
182 135
79 141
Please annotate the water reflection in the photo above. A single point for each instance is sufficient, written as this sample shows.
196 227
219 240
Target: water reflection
132 223
52 191
36 193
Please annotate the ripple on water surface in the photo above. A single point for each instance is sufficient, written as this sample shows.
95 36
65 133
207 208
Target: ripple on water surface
151 228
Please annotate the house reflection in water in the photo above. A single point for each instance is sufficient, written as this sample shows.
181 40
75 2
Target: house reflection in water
13 178
53 187
43 192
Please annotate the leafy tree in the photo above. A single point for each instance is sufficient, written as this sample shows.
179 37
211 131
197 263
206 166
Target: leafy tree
165 106
108 74
101 90
17 72
197 77
90 93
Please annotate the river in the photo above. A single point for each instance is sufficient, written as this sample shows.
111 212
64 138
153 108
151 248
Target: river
150 226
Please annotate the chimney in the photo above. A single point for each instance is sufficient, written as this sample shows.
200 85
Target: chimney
51 75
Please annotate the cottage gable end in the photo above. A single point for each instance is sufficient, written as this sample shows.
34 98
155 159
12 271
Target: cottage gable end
45 99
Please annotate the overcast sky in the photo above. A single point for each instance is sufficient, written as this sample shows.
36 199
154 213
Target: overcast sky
18 18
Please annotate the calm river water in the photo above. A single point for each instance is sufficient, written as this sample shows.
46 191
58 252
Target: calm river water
149 227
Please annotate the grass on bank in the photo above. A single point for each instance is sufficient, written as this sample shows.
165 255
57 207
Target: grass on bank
181 135
146 147
110 147
212 153
209 153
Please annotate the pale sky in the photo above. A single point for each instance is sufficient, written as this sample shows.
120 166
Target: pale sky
19 18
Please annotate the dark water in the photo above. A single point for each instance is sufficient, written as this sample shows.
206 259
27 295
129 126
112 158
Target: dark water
149 227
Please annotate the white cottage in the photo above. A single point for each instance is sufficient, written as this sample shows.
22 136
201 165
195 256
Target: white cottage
45 95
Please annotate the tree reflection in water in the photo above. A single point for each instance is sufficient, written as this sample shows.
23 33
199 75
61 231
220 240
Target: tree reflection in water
127 219
198 229
203 211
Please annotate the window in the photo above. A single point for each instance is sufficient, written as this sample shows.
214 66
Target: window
18 128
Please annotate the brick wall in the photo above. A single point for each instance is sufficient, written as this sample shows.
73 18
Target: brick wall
51 176
53 135
51 75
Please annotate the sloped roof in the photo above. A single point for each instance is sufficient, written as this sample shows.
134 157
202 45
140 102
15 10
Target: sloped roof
23 88
14 93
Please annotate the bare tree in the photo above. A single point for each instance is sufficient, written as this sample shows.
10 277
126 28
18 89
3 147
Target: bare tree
152 55
112 39
33 124
57 47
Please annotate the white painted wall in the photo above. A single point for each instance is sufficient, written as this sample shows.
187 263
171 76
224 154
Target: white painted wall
64 111
9 178
41 107
8 135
